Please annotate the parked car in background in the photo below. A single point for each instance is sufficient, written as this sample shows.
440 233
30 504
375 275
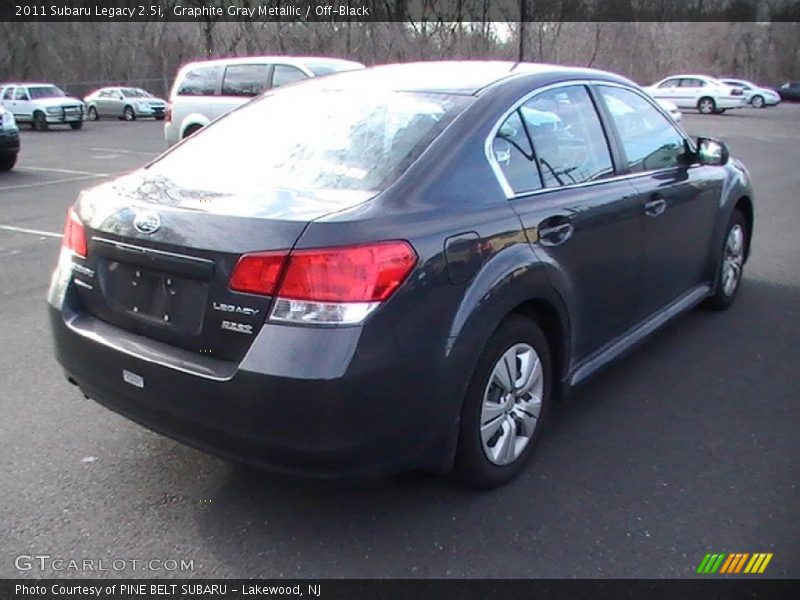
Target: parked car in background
755 95
41 105
9 140
706 94
208 89
670 108
395 268
127 103
790 91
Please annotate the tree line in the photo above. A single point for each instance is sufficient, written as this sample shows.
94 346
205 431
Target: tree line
83 55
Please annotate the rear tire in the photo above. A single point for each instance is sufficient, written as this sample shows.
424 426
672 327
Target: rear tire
7 162
706 105
191 130
160 118
731 263
40 121
504 406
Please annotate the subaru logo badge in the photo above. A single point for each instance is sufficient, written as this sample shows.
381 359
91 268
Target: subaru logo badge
146 222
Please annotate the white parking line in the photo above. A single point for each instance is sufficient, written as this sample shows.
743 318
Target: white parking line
119 151
23 186
67 171
31 231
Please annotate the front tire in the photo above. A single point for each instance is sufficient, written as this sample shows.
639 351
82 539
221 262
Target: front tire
77 125
706 105
40 121
7 162
128 114
731 264
757 101
505 403
92 115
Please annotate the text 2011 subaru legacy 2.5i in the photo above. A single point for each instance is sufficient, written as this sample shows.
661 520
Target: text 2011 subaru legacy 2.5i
394 268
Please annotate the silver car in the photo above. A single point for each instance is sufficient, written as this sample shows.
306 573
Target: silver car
127 103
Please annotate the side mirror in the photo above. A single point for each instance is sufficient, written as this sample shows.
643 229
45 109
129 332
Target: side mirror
712 152
502 151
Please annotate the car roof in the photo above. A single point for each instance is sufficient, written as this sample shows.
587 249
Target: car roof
287 60
457 77
691 76
28 84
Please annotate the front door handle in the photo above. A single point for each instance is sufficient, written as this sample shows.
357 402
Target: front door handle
656 206
555 231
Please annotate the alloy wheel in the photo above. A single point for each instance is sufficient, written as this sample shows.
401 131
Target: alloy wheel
512 402
706 106
732 260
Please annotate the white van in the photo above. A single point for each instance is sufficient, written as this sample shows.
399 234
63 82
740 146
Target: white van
208 89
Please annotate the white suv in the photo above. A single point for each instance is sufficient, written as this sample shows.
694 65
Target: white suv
205 90
41 105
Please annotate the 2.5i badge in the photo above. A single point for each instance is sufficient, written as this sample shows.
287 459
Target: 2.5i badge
237 327
132 378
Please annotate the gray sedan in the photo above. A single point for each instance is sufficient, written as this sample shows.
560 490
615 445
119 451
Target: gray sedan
127 103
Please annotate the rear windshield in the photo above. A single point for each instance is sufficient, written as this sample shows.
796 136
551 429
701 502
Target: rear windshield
328 68
311 140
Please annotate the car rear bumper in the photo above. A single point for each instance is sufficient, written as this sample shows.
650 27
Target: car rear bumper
304 400
728 102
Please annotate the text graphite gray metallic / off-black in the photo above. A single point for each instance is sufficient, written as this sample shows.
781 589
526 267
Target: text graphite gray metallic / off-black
395 268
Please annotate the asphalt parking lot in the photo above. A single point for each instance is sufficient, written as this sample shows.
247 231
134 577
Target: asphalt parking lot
688 446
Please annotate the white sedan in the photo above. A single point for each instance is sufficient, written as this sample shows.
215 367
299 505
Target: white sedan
671 109
706 94
755 95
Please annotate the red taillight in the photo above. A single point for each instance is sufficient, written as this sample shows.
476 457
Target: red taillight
369 273
258 273
339 285
168 112
74 234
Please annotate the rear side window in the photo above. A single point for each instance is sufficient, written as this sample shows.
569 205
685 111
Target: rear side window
512 151
200 81
285 74
245 80
8 93
649 139
568 139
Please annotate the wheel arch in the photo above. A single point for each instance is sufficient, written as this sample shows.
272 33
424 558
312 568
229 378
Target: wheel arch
745 206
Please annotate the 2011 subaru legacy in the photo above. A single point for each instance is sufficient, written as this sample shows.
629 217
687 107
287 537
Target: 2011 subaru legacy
395 268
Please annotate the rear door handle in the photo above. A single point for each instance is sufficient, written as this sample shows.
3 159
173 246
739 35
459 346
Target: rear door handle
656 206
555 231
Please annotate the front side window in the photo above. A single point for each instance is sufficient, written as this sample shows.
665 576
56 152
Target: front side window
648 138
310 140
670 83
511 149
200 81
692 83
245 80
568 139
285 74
